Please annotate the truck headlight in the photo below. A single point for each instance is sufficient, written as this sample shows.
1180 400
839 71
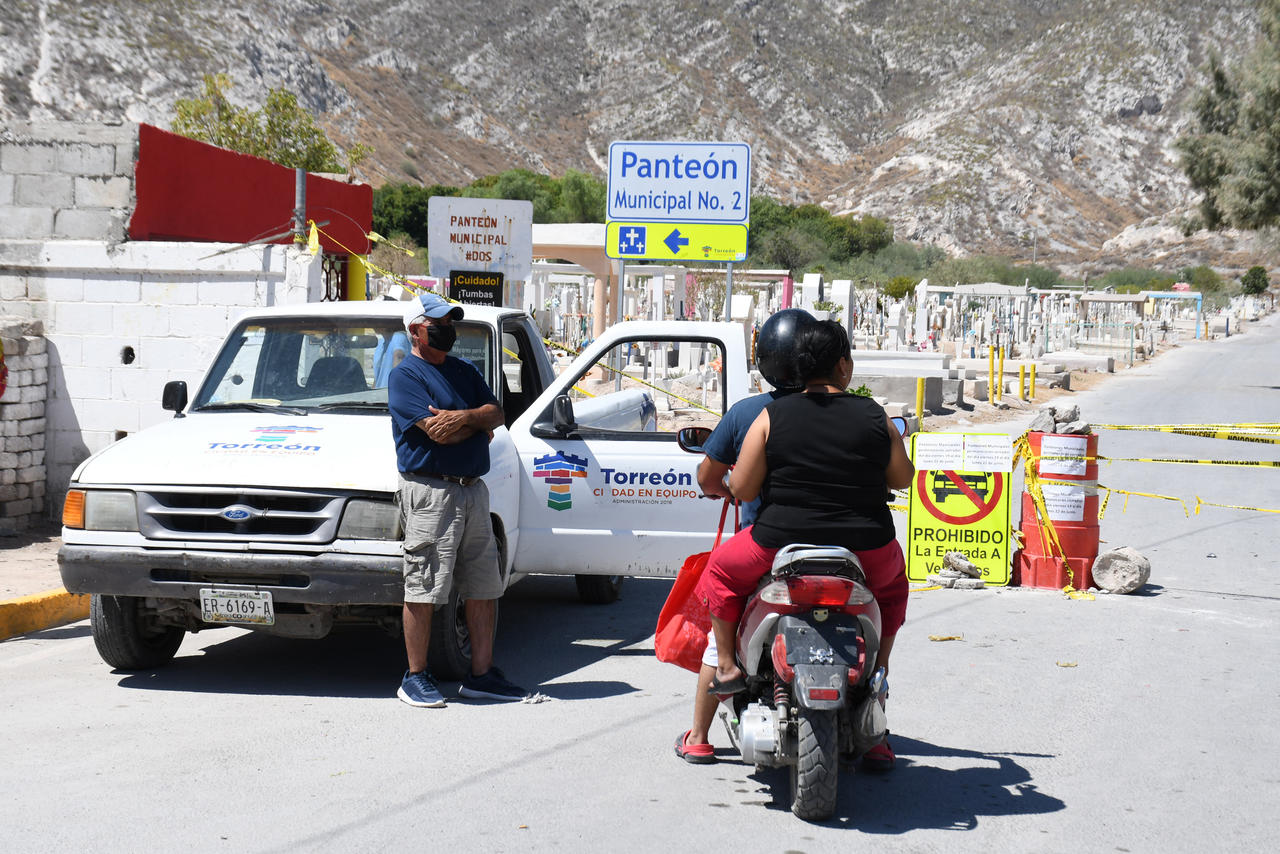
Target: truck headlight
110 511
370 520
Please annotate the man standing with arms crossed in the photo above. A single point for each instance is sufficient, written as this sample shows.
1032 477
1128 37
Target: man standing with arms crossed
442 417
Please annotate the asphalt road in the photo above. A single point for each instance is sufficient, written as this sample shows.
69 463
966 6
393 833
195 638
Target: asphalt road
1126 723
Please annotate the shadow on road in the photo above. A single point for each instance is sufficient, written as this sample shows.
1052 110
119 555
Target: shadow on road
922 794
544 634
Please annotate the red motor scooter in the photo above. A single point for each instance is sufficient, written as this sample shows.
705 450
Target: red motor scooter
807 642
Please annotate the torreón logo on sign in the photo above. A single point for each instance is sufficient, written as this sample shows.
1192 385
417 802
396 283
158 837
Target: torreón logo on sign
690 182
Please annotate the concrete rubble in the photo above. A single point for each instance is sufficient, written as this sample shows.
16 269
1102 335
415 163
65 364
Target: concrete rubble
1121 570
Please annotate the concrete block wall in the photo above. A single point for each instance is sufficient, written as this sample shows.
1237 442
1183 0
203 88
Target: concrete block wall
22 425
120 321
65 180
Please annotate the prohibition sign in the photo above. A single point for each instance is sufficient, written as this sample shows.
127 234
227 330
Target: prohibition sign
982 508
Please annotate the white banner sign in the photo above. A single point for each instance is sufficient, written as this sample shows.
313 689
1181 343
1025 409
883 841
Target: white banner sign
480 235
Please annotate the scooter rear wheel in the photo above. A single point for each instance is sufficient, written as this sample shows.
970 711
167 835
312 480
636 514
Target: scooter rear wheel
816 772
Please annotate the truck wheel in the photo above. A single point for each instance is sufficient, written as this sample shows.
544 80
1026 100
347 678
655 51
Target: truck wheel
598 589
449 654
127 638
816 772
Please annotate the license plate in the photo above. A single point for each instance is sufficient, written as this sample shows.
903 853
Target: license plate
236 606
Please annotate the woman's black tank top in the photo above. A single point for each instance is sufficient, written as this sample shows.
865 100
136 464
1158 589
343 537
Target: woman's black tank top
825 485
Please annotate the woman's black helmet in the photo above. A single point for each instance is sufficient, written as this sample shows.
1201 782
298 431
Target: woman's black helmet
776 347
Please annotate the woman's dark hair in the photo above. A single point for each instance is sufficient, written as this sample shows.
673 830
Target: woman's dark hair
822 346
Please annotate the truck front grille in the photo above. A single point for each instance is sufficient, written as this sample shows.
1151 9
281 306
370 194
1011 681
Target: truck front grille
231 516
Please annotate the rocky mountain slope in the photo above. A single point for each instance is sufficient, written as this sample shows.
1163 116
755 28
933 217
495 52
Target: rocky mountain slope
1016 126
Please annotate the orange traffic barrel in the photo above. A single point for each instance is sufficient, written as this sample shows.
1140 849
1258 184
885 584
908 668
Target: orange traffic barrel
1066 467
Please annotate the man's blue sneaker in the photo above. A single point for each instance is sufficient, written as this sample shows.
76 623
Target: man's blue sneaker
491 686
419 689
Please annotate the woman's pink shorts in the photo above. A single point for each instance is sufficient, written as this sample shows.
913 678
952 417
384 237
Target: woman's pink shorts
735 568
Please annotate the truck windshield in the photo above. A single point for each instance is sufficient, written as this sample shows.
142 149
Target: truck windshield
321 363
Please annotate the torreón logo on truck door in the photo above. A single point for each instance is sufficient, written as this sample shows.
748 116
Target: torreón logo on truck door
559 470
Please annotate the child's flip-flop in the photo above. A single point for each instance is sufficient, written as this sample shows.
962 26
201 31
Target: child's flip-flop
696 754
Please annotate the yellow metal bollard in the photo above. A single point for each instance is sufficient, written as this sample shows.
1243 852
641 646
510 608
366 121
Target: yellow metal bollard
1031 387
920 399
991 374
1000 375
1022 382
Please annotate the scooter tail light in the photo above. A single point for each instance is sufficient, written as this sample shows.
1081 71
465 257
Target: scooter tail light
776 593
824 693
860 595
822 591
859 666
781 669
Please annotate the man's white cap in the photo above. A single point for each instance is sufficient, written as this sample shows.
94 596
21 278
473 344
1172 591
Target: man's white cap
429 305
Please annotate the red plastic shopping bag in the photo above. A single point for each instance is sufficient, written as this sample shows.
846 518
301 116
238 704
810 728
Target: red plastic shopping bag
681 635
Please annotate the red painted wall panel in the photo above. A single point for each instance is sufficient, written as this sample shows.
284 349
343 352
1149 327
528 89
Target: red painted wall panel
190 190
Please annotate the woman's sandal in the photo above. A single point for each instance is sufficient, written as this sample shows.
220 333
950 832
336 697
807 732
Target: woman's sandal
694 754
732 686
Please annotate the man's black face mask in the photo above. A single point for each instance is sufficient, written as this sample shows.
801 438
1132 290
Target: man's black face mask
441 338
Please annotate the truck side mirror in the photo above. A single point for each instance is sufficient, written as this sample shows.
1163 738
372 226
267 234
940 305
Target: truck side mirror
692 439
562 419
174 397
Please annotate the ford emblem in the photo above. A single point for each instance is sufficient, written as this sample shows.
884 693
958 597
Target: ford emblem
236 513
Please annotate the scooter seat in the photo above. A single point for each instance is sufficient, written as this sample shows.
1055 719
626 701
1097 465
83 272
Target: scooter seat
806 559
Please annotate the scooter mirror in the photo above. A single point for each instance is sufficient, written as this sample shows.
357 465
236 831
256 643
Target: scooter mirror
692 439
901 424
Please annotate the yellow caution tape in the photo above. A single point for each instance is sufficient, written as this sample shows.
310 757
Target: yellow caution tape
1067 664
1261 433
1200 501
946 637
1266 464
573 351
926 589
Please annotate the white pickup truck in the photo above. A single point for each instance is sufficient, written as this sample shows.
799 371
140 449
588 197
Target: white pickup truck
267 502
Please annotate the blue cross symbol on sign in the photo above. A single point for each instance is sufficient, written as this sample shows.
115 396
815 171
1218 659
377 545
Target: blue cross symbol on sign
631 240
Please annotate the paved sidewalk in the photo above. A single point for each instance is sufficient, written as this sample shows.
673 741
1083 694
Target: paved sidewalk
31 593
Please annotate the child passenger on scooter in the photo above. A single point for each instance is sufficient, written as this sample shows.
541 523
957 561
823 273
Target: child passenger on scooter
822 462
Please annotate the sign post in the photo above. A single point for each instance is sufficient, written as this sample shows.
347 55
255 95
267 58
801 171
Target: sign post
960 502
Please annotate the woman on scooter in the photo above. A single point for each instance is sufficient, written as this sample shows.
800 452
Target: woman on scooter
822 462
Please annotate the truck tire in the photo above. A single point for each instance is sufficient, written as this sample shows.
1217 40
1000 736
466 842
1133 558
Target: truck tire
126 637
817 768
449 654
598 589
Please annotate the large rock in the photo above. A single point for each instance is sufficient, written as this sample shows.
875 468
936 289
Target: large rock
1121 570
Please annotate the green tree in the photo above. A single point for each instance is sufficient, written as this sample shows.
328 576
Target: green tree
582 198
1255 281
1202 278
899 286
1233 154
865 234
402 209
281 130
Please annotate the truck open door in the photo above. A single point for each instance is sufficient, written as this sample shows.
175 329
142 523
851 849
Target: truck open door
605 489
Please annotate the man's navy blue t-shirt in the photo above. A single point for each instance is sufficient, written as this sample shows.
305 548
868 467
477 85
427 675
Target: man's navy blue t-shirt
414 385
725 442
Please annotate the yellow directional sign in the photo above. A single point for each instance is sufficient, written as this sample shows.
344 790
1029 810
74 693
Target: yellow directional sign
674 241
